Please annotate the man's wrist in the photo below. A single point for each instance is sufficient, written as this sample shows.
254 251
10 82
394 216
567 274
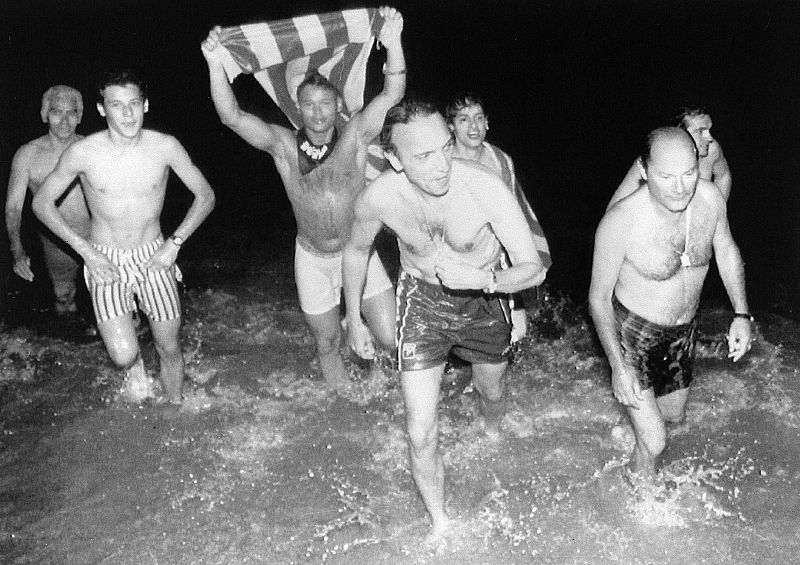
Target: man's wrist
491 282
745 315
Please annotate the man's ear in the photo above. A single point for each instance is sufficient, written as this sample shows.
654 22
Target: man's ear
339 104
451 127
487 124
393 161
642 169
101 110
146 105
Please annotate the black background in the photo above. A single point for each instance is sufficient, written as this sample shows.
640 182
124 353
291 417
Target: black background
571 87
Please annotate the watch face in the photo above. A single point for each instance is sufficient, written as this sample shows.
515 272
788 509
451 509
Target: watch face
177 240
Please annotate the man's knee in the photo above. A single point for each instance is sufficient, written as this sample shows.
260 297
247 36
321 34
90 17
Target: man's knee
422 436
653 441
123 354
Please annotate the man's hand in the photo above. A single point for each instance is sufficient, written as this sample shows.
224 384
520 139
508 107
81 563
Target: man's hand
392 26
22 266
626 387
458 275
100 268
209 46
360 340
163 259
740 338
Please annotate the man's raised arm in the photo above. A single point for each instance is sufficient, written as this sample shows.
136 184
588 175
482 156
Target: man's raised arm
15 200
370 119
355 260
255 131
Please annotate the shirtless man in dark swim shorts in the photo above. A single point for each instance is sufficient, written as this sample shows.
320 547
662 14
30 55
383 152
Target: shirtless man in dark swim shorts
651 256
323 171
452 218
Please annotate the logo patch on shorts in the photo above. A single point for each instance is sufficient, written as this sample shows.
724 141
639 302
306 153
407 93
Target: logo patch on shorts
409 350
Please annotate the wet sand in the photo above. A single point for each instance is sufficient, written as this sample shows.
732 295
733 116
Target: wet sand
262 464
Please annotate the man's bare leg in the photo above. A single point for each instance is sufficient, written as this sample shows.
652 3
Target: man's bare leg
648 426
166 336
63 271
379 312
488 380
119 337
673 405
421 396
327 335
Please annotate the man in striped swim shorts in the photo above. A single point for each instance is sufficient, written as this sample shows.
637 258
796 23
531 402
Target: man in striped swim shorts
124 171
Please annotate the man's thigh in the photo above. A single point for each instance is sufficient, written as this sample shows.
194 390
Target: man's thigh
488 378
421 395
119 336
646 418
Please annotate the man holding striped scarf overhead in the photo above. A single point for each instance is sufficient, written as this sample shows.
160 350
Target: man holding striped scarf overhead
314 68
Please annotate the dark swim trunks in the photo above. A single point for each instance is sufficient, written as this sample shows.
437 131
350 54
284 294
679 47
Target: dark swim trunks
433 320
662 355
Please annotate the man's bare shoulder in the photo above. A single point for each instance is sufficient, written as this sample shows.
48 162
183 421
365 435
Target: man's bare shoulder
28 152
385 187
627 211
708 195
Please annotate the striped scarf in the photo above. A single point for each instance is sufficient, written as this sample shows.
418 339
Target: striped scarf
281 54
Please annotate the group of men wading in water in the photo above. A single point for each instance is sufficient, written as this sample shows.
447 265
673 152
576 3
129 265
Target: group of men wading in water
463 229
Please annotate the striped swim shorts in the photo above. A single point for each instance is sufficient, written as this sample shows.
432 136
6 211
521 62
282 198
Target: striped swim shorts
156 292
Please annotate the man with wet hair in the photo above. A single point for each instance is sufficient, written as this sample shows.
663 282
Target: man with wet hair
124 170
712 163
62 110
467 119
452 219
322 171
651 256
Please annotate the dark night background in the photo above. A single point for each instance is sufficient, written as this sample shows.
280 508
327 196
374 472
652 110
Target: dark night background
572 87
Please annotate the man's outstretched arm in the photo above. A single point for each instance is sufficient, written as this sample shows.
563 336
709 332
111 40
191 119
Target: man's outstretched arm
15 200
370 119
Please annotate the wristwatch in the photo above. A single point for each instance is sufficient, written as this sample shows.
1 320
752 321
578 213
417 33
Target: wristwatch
176 239
744 315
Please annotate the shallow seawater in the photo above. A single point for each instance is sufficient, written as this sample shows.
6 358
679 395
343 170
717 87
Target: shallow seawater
263 464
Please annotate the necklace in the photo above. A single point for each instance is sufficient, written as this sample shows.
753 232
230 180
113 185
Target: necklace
686 260
439 245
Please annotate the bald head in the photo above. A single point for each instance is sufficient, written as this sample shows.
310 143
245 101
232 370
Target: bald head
667 139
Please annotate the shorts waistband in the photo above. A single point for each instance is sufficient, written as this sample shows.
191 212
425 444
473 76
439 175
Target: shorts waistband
622 309
138 253
306 246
